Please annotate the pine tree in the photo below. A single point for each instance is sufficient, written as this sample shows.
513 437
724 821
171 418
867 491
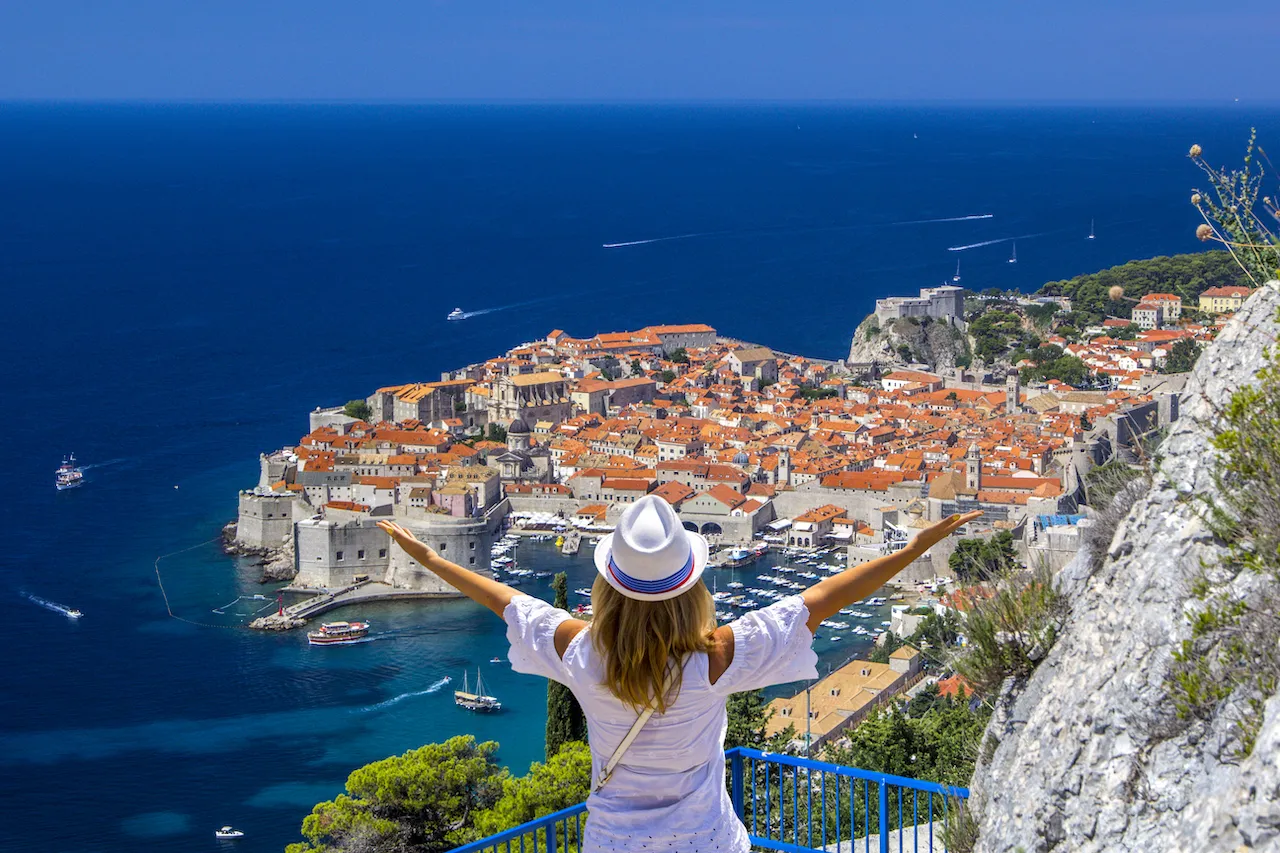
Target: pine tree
565 720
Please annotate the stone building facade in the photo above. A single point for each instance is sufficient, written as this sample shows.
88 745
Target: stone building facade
530 397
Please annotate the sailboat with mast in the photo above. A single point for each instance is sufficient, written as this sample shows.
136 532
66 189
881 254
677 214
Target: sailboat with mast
477 701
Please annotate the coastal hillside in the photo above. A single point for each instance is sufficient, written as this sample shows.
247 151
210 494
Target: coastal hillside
1152 724
1186 276
1002 328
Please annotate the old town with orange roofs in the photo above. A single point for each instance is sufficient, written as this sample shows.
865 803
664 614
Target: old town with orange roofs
756 449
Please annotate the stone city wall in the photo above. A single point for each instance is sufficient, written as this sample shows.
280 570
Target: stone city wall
266 521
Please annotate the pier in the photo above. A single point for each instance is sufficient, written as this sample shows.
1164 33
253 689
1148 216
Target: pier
363 592
572 542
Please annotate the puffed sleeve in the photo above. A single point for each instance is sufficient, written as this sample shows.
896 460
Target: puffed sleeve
531 630
773 645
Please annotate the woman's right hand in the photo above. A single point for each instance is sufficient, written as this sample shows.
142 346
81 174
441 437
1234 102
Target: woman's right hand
404 537
935 533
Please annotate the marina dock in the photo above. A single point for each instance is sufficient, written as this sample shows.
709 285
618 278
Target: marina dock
572 542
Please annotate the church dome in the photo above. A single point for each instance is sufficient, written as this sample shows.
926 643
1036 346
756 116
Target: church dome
518 427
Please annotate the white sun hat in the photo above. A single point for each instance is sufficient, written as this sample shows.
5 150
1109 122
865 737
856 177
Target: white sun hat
650 556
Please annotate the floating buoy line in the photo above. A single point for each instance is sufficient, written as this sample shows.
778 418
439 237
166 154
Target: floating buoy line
169 607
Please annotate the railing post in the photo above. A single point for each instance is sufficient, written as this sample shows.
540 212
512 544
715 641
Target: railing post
551 838
884 817
735 772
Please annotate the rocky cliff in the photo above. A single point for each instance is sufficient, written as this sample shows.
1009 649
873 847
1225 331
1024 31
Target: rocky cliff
1088 754
902 342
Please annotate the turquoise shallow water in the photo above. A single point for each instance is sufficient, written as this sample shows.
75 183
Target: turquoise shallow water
183 283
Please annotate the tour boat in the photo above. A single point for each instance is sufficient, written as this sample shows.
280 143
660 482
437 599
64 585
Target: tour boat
457 314
336 633
477 701
227 832
69 475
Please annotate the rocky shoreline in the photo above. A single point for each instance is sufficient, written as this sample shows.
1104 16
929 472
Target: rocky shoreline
278 564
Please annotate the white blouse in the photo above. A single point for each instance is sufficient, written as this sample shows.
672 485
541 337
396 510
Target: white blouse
668 793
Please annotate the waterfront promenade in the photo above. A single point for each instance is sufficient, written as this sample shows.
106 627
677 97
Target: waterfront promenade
363 592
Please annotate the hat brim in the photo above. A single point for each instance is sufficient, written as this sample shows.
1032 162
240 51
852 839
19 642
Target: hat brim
701 553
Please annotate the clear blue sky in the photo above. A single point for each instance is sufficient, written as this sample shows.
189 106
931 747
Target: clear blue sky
1023 50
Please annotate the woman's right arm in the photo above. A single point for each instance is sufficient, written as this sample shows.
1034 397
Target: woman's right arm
487 591
827 597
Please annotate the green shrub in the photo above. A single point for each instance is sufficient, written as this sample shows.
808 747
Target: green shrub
358 409
1011 628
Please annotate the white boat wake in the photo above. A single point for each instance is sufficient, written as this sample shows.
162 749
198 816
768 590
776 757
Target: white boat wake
387 703
998 240
663 239
466 315
968 218
800 230
53 605
102 464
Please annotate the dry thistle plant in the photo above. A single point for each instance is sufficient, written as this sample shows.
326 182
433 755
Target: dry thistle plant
1237 214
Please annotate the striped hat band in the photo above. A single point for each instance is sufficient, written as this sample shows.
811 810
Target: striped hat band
654 587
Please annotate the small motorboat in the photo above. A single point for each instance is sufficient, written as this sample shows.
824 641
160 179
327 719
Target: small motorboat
74 614
227 832
495 660
457 314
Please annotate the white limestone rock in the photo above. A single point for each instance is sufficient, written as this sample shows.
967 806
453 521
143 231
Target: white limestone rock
1087 757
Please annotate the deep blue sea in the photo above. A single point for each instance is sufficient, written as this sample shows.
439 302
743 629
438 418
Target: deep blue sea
181 284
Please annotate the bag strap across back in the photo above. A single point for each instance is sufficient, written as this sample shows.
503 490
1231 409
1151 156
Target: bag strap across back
606 773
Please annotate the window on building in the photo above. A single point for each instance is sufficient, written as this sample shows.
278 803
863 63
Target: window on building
471 545
382 552
339 556
360 555
471 560
444 546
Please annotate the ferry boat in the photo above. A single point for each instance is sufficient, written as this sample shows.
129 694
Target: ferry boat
477 701
457 314
69 475
227 832
335 633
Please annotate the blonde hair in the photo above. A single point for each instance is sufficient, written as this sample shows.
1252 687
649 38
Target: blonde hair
639 640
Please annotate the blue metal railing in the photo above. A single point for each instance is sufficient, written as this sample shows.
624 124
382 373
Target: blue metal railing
787 803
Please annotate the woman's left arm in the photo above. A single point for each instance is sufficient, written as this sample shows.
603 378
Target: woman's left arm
487 591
